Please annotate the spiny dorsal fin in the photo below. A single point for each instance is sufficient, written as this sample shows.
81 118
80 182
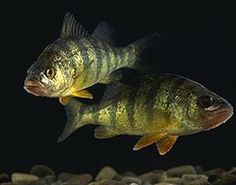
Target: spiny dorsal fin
104 32
71 27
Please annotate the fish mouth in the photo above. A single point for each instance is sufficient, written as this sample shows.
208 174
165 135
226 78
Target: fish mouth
220 116
35 87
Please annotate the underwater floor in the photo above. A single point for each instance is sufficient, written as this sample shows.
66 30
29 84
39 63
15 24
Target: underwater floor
179 175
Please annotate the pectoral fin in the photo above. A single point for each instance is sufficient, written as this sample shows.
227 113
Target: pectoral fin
102 133
82 94
64 100
165 144
148 140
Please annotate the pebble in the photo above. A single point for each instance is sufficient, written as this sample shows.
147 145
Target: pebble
174 180
181 170
129 180
151 177
4 177
232 171
180 175
82 179
23 178
106 173
41 170
64 176
107 182
193 177
226 180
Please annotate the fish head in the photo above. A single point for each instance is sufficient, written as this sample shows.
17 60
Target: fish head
205 109
51 74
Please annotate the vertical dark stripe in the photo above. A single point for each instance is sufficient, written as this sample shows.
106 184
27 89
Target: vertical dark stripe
151 99
130 107
174 87
98 55
115 61
85 58
112 112
108 56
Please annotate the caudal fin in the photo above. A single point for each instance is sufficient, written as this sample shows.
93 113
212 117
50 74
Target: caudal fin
146 50
74 111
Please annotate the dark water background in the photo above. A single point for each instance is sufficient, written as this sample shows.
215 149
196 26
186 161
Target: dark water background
200 45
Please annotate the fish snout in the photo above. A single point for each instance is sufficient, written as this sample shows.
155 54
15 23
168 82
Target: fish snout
35 87
220 116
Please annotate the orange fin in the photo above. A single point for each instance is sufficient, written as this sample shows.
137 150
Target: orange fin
83 94
147 140
64 100
165 144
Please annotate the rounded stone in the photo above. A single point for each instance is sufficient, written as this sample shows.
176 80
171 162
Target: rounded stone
4 177
181 170
82 179
174 180
151 177
106 173
130 180
41 170
23 178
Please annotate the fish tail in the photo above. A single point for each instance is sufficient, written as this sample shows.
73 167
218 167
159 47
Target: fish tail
144 49
74 113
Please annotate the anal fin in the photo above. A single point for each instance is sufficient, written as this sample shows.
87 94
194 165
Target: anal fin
165 144
102 133
148 140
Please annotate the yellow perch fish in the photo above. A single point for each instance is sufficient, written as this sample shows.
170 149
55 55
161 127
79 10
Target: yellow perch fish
77 60
158 108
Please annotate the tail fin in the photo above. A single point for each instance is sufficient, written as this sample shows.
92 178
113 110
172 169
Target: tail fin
74 111
146 50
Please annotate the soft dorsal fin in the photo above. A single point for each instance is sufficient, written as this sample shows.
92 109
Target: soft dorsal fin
71 27
104 32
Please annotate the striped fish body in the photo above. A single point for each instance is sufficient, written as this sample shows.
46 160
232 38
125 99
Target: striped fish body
95 60
77 60
159 108
142 110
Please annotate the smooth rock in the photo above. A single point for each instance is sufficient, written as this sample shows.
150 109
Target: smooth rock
117 177
82 179
194 177
174 180
130 174
58 182
41 170
151 177
226 180
164 183
4 177
181 170
7 183
130 180
23 178
106 173
199 183
232 171
64 176
107 182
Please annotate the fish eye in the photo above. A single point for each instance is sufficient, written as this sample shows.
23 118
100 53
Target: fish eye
206 101
50 73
